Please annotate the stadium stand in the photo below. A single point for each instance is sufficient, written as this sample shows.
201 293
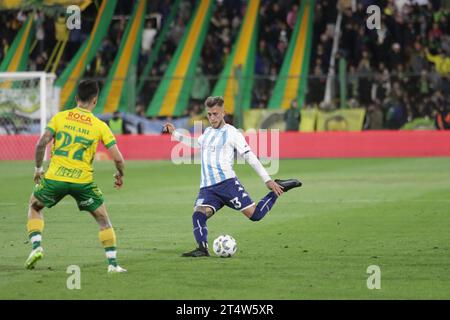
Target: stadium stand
398 75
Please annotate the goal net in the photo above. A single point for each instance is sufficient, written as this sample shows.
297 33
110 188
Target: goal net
27 102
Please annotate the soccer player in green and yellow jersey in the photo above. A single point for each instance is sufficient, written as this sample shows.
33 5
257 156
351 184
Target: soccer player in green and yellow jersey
75 134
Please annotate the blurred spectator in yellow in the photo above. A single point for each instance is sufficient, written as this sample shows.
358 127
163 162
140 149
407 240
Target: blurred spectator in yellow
61 31
117 124
440 60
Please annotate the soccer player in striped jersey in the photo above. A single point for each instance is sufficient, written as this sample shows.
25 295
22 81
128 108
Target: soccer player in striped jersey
219 185
76 134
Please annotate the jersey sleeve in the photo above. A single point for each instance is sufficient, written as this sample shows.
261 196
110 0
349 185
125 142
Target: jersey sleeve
239 143
186 139
107 137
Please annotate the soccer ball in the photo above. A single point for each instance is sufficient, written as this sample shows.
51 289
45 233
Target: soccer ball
225 246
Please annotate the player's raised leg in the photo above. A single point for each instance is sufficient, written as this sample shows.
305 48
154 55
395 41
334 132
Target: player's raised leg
201 214
257 212
107 237
35 227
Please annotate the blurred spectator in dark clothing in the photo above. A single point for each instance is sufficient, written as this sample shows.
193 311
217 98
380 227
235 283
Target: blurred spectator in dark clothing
395 56
316 86
374 118
365 85
442 117
140 112
397 115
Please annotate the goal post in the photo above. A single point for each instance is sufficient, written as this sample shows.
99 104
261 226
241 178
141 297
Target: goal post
27 102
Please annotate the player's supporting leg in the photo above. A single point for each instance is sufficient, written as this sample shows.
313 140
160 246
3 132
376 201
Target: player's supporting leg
35 227
201 214
107 238
200 228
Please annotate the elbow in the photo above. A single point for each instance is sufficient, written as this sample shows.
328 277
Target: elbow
41 144
119 162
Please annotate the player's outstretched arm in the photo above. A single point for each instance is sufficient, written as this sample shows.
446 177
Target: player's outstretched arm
244 150
187 140
275 187
39 154
254 162
117 157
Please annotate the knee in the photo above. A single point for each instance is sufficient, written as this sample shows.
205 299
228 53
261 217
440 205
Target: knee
35 204
253 216
104 222
250 214
207 211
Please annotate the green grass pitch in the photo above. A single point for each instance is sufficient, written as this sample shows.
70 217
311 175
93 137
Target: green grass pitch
316 243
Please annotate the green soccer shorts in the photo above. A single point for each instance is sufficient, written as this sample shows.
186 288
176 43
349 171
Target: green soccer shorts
87 195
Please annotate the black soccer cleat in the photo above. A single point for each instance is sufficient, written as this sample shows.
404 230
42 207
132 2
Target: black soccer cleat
289 184
199 252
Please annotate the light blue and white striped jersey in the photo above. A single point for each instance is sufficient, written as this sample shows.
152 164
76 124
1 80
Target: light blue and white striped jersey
217 153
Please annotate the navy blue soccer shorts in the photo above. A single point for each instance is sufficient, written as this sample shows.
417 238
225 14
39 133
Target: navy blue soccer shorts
229 193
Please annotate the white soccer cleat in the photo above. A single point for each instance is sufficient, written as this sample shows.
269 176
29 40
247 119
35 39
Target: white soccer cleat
116 269
35 255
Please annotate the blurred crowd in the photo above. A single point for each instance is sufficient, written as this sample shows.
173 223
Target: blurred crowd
50 27
158 13
222 33
277 21
400 72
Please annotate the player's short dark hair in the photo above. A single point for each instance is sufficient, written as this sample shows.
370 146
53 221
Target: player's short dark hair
214 101
87 90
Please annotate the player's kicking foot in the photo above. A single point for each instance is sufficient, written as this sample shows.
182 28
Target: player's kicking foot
199 252
289 184
116 269
35 255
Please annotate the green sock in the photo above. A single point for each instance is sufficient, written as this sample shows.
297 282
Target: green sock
111 255
35 238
